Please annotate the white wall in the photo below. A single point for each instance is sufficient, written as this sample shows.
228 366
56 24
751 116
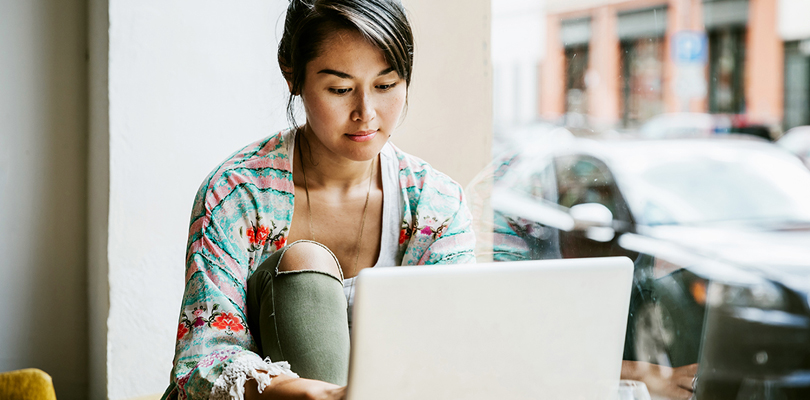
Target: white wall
190 82
43 150
792 19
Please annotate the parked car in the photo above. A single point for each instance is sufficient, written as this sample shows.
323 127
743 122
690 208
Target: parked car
683 125
720 234
697 125
797 141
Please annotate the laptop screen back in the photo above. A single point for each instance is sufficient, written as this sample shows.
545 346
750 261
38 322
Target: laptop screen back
517 330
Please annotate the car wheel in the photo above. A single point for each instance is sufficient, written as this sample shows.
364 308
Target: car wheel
653 334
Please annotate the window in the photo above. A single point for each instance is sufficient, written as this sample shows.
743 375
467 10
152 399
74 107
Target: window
656 98
583 179
642 80
641 34
726 67
576 35
797 84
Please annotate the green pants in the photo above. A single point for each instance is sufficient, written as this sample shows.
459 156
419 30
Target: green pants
300 317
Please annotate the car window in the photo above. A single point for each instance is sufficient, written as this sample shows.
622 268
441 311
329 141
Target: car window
746 185
583 179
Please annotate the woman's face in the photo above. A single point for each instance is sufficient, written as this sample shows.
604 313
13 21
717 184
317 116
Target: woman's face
353 99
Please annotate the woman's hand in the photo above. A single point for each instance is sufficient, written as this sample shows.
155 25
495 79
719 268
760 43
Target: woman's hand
284 387
672 383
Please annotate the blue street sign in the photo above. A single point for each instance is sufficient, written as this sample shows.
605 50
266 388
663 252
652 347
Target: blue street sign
690 47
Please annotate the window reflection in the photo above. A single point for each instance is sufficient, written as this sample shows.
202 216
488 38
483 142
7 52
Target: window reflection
642 73
576 66
797 92
718 226
727 52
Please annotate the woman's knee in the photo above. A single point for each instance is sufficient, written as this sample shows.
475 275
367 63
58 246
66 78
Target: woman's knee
309 256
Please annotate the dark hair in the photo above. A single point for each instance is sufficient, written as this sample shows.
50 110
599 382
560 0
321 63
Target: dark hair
309 22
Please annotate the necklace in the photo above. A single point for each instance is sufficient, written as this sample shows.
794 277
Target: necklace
365 206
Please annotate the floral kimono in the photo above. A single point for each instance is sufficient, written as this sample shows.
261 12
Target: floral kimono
242 214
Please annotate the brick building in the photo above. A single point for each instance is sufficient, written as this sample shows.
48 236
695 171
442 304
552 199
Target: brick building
622 62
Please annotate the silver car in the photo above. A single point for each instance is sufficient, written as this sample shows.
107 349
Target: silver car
720 233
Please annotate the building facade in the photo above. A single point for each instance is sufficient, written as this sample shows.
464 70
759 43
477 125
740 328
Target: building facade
623 62
795 32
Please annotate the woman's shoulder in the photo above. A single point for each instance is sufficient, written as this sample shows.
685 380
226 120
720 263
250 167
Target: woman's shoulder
261 154
264 163
417 174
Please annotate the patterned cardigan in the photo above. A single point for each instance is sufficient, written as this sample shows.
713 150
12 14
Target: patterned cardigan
241 215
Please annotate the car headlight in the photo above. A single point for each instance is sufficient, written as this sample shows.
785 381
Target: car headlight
763 295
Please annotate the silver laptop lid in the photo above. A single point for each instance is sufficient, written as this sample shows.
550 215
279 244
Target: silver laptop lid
518 330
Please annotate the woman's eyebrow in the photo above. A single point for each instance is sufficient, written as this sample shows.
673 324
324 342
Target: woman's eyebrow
344 75
336 73
386 71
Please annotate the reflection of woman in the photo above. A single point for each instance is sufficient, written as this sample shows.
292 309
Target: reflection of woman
515 239
277 227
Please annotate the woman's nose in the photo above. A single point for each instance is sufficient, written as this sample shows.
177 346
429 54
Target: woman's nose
364 109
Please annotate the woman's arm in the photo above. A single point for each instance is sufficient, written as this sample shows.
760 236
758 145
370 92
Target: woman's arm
240 215
284 387
671 383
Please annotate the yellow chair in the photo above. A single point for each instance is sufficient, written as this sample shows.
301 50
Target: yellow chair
26 384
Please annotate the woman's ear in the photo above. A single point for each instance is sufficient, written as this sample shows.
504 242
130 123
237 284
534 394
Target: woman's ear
287 72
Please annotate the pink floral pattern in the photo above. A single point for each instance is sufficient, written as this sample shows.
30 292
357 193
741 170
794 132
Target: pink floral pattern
181 330
258 235
226 321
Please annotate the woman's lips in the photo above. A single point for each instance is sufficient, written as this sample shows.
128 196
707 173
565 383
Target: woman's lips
362 136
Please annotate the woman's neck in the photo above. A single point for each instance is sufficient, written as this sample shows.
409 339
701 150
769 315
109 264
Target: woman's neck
324 168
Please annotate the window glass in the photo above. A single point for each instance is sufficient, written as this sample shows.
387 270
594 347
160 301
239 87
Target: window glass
576 65
584 180
538 181
727 52
797 93
748 186
686 148
642 80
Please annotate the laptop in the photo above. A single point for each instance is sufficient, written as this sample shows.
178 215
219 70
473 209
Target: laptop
549 329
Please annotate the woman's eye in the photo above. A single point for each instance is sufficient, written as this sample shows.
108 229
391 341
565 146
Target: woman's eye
339 90
386 87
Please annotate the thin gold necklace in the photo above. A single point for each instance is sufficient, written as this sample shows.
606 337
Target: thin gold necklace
309 205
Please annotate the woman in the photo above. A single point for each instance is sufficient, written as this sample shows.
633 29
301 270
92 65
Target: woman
280 229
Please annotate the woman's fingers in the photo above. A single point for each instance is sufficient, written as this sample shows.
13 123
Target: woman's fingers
685 376
678 393
684 382
340 393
